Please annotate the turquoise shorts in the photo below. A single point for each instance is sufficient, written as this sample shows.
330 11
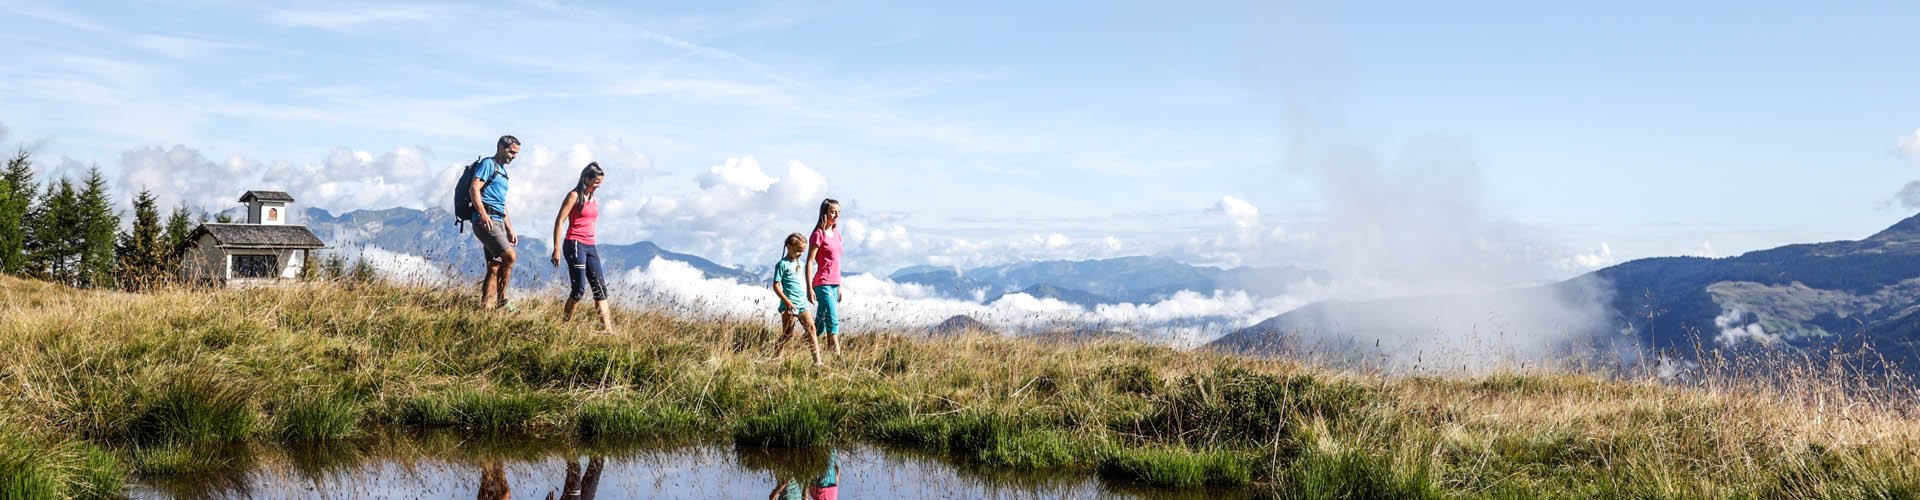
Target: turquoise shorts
827 298
796 311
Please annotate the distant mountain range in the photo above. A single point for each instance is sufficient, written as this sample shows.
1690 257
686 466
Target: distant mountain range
1805 297
431 234
1103 281
958 325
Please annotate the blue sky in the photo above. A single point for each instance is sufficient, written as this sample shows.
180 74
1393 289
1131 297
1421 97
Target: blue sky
1526 134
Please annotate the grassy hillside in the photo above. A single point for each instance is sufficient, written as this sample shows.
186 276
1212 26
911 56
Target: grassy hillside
99 386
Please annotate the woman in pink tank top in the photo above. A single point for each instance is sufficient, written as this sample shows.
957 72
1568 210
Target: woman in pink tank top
574 228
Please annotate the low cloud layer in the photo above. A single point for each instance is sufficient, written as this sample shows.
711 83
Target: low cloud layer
873 303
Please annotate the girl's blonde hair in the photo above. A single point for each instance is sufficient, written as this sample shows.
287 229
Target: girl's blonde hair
796 241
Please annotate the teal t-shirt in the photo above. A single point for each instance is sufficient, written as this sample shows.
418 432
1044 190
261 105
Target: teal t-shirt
787 274
494 194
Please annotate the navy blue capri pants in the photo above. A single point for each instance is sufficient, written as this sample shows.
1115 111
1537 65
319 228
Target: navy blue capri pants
583 269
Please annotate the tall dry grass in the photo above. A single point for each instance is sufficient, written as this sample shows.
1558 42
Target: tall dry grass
101 385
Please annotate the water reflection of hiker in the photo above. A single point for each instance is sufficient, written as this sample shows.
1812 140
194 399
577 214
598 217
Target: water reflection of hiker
581 486
823 253
795 471
788 489
493 482
491 225
827 486
579 214
824 486
792 294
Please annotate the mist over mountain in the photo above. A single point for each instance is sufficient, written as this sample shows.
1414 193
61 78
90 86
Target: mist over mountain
1803 297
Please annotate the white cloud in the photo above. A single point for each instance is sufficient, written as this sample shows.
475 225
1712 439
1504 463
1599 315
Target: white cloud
1736 327
1909 145
405 268
182 48
1704 249
882 242
356 179
63 18
1909 195
1589 261
738 215
348 18
739 175
1246 239
1243 214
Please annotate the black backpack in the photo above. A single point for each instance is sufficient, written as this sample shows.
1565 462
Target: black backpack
462 194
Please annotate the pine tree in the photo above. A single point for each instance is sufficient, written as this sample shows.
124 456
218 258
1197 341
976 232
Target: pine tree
14 207
363 271
98 226
142 252
54 236
334 268
179 227
6 190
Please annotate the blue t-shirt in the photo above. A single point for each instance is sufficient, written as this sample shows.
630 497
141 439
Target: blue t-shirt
493 194
787 274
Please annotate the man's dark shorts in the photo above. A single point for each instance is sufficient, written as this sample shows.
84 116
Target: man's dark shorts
493 238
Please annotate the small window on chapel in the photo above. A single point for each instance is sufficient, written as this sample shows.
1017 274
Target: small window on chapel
255 266
273 214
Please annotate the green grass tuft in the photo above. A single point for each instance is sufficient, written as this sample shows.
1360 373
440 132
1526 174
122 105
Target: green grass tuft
799 423
633 420
1355 475
195 408
1178 468
318 418
25 472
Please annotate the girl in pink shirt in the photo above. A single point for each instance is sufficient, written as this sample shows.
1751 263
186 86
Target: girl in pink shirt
823 264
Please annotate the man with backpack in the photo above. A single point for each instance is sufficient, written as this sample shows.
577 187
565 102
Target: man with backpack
487 198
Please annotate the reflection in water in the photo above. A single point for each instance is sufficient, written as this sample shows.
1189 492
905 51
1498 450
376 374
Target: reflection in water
827 486
821 485
579 485
460 467
493 481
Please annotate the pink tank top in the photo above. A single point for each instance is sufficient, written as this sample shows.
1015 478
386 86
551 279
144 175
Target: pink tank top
580 222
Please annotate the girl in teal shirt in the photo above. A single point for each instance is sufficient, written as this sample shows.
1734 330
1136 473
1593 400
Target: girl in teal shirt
790 286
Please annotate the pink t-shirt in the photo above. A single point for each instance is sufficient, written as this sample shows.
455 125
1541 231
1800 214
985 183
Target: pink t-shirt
580 222
826 257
